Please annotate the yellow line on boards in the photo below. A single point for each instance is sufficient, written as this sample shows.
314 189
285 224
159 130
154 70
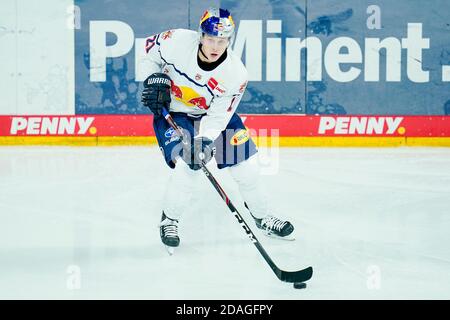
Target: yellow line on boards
260 141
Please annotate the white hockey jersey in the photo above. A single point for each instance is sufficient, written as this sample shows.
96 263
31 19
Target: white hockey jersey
215 93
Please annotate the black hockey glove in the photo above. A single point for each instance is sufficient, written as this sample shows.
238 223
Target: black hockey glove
156 93
202 149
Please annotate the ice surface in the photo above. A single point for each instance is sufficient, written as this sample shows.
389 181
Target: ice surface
81 223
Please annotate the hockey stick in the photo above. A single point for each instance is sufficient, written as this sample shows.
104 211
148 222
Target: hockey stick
286 276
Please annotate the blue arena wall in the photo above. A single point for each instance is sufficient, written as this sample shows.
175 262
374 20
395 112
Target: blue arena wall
364 57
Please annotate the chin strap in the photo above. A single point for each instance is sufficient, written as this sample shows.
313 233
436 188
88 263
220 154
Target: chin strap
201 51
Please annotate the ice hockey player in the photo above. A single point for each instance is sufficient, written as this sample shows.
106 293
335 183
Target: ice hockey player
200 81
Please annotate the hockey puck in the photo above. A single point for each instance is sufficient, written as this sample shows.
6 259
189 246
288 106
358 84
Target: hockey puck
299 285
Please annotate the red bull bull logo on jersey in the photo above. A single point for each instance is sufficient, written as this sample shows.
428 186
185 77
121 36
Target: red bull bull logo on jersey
189 97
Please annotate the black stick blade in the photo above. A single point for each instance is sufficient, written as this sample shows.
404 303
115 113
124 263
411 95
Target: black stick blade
295 276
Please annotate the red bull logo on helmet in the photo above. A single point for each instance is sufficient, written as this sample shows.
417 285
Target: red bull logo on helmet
189 96
219 27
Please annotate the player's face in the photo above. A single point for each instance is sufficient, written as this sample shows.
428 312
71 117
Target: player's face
214 47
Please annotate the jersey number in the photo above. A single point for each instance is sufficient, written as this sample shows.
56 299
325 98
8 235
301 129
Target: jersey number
150 43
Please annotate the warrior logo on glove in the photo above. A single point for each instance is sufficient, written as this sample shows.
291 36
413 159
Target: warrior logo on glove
158 80
156 93
200 150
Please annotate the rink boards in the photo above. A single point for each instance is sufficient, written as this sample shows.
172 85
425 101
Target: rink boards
266 130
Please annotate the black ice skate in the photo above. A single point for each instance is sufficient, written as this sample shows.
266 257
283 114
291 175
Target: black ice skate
274 227
168 230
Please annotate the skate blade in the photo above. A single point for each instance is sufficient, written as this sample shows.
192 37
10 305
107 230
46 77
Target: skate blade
170 250
273 236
